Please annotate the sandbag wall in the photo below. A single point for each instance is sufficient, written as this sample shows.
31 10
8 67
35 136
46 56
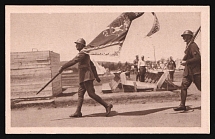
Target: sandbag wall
30 71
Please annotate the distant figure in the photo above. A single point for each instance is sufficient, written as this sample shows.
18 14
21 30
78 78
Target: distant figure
136 67
132 69
107 71
127 69
142 69
87 74
161 65
171 67
192 70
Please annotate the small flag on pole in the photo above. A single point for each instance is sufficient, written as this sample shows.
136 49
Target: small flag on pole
155 27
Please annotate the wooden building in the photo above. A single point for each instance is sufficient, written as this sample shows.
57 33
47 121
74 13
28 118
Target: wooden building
30 71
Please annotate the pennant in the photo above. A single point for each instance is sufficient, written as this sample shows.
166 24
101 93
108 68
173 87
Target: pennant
155 27
110 40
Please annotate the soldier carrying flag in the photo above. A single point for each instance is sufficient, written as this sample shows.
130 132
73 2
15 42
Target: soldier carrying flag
87 74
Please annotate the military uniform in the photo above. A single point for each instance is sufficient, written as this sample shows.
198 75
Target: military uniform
136 69
85 66
87 74
192 70
171 67
142 69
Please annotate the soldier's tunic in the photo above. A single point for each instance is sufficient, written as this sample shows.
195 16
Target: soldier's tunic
85 66
171 67
192 70
87 73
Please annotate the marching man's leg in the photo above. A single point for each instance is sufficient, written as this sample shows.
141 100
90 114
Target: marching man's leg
186 82
81 92
91 91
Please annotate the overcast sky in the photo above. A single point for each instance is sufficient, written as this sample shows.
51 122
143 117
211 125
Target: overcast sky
58 31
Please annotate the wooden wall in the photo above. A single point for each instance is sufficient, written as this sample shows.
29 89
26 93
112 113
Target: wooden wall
30 71
55 65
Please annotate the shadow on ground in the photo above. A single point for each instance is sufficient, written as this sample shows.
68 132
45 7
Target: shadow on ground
115 113
188 110
134 113
131 113
66 94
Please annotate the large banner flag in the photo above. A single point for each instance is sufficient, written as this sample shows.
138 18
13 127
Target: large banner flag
110 40
155 27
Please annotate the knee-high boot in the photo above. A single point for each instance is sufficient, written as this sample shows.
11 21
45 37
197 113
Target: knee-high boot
91 92
80 102
102 102
183 100
107 106
183 96
98 99
78 109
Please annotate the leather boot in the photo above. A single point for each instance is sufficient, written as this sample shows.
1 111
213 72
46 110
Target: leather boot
183 100
78 110
76 114
108 109
180 108
102 102
107 106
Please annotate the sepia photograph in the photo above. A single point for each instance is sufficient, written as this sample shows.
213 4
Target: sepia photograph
107 69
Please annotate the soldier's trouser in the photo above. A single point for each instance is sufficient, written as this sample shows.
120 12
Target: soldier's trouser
137 74
171 73
186 82
142 73
89 87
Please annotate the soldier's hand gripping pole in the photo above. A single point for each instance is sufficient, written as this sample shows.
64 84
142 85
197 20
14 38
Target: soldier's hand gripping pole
48 82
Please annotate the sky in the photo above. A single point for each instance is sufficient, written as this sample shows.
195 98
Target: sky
57 31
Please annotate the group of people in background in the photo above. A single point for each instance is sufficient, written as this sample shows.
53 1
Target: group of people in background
140 68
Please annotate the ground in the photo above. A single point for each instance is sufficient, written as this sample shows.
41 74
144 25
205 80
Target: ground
122 115
148 112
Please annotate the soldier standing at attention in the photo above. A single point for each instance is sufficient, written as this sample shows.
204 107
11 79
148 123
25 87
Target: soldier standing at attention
142 69
136 67
192 70
171 67
87 73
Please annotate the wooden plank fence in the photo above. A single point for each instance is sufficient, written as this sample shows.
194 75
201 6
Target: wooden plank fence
30 71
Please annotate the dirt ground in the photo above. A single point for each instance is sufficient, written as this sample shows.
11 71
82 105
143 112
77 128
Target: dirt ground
122 115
